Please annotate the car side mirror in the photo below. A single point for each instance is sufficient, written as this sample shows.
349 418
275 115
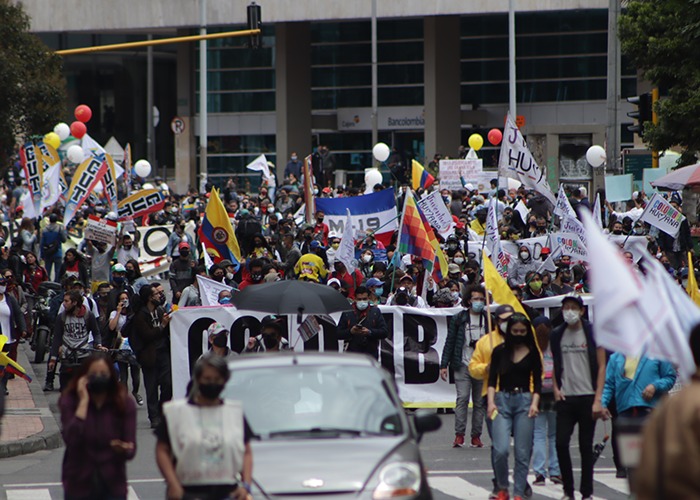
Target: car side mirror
426 421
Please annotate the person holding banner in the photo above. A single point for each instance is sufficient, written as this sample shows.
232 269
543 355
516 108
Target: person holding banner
677 248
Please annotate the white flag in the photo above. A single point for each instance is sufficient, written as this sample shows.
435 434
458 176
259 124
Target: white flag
660 213
209 290
571 225
260 164
517 162
521 208
597 212
346 250
493 242
563 207
51 190
28 205
91 147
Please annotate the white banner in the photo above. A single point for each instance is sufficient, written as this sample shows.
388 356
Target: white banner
437 213
571 225
451 172
152 243
660 213
563 207
493 242
209 290
100 230
570 244
517 162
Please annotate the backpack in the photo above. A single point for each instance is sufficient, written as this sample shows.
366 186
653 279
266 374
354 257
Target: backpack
52 247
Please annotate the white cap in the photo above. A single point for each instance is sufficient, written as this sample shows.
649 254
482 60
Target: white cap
469 186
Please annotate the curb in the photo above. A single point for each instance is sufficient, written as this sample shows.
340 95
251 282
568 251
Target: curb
50 437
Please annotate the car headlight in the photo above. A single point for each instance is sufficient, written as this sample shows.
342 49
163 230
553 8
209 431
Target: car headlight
398 479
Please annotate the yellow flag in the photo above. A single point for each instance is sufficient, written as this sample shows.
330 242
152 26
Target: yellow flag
498 287
692 286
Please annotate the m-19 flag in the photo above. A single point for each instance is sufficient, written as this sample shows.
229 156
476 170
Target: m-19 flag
374 212
216 233
420 178
413 236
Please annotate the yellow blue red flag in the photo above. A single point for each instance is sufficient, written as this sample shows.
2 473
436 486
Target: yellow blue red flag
420 177
216 232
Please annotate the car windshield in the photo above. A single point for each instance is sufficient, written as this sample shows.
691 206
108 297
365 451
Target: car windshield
315 401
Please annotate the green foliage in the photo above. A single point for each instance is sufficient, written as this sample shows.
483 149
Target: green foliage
662 38
33 96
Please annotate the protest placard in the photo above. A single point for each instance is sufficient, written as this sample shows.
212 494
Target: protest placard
451 172
100 230
437 213
618 187
660 213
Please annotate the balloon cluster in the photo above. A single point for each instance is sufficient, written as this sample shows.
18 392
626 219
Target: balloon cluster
82 113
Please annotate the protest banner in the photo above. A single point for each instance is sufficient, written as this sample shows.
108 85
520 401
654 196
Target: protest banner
209 290
563 207
493 242
517 162
33 174
452 172
570 244
437 213
661 214
534 245
618 187
85 178
140 203
100 230
109 181
369 212
572 225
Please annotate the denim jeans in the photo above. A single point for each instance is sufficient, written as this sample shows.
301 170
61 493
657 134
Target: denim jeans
53 263
465 385
544 446
512 417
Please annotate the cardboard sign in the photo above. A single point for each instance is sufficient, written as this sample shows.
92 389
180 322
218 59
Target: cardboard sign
101 230
437 213
452 171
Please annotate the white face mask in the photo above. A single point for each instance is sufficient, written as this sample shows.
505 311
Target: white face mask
366 258
524 255
229 276
502 326
3 289
458 260
362 304
455 296
571 317
315 191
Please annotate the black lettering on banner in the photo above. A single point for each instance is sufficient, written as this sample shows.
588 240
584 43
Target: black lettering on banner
386 346
194 340
330 338
145 241
238 339
414 349
336 225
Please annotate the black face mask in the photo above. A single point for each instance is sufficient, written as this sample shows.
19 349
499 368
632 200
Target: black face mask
256 277
308 237
270 341
99 384
130 273
211 391
220 340
184 253
565 278
161 299
617 232
517 339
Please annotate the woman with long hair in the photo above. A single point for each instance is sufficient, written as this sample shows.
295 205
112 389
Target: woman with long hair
515 385
28 234
98 419
34 273
205 425
74 265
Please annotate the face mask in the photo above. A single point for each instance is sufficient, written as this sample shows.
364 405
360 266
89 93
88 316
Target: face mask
319 220
366 258
335 246
315 192
458 260
130 273
571 317
126 247
119 280
270 341
362 305
220 340
478 306
308 237
536 286
270 210
161 299
379 291
617 232
225 300
173 210
517 339
229 276
455 296
99 384
524 255
565 278
294 158
184 253
683 282
211 391
256 277
502 326
3 289
125 303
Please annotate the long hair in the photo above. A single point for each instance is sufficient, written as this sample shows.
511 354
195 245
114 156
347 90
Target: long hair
116 394
137 269
509 344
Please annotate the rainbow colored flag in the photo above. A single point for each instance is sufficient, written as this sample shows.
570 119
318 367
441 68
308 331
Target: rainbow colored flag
414 239
216 233
440 263
8 365
420 178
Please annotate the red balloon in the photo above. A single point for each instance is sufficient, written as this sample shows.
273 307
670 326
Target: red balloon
78 129
83 113
495 136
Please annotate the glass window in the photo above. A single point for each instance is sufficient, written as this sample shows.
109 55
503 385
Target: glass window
248 144
341 98
238 58
562 21
340 32
351 53
400 96
551 45
239 80
237 102
399 74
572 157
341 76
563 67
400 29
400 51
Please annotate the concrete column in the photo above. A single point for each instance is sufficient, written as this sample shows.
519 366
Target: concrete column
441 78
293 91
185 151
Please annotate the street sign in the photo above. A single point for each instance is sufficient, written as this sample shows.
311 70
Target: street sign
177 125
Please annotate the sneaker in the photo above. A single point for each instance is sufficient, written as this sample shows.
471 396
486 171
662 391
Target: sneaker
539 480
567 497
495 491
155 423
503 495
48 387
459 441
621 474
528 491
476 442
139 399
556 479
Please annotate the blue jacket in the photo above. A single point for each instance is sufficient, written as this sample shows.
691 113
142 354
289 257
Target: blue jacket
628 393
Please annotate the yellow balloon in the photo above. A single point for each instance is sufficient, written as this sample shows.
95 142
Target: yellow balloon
476 142
52 139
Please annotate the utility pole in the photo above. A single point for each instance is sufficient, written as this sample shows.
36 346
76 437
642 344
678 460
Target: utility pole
511 59
203 87
150 132
612 132
375 104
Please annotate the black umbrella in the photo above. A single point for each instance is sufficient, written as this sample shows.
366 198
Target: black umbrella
291 297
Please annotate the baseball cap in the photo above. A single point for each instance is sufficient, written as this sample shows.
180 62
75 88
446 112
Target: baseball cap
453 269
215 329
316 244
504 309
183 244
225 263
118 268
407 277
545 251
334 281
271 321
572 297
77 282
373 282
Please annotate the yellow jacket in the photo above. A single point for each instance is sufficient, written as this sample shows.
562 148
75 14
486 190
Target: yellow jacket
478 227
481 359
310 266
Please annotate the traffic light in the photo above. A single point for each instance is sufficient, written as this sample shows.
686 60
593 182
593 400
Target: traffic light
643 114
254 23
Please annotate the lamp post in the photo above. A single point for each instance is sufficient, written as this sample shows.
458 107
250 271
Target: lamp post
203 115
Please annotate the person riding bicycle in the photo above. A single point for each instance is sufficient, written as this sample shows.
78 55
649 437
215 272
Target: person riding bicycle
75 328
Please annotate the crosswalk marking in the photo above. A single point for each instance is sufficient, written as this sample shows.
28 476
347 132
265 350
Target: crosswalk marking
131 494
614 483
457 487
33 494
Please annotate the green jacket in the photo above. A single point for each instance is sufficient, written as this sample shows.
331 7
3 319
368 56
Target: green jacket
454 343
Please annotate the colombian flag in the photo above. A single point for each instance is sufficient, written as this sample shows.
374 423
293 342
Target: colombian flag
216 232
420 178
413 236
8 365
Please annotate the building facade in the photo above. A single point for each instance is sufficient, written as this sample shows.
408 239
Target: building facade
442 75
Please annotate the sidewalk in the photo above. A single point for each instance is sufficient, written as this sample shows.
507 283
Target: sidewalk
28 424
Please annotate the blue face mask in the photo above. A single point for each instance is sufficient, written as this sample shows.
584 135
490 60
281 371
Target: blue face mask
379 291
478 306
225 300
119 280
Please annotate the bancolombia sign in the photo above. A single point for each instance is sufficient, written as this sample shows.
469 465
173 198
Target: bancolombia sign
388 118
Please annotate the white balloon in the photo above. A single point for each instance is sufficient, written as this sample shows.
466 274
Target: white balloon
381 151
596 156
142 168
372 177
62 130
148 185
75 154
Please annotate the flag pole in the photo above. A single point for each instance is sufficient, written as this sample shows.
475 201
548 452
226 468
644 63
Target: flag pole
640 218
488 309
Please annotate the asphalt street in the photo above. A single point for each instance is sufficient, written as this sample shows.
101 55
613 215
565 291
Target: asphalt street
453 472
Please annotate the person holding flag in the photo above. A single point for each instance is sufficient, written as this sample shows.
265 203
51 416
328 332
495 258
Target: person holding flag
216 233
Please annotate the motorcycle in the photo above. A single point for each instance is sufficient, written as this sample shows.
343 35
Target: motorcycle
42 325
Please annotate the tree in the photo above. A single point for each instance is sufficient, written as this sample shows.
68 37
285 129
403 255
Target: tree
33 89
662 39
